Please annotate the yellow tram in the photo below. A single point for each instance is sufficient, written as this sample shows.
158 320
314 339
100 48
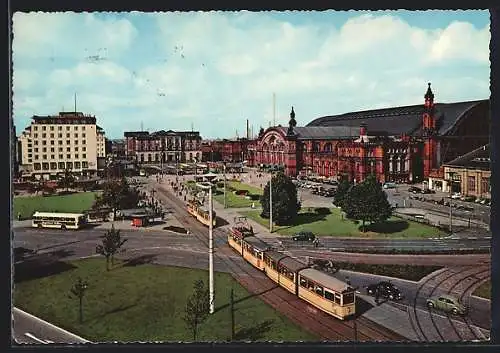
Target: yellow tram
283 269
236 235
327 293
253 251
201 213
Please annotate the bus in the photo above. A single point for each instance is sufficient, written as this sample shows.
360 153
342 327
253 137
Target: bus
58 220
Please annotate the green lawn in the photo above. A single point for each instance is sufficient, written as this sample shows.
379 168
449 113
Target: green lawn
484 290
238 201
332 225
146 302
66 203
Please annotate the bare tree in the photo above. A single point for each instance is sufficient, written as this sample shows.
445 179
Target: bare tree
197 307
78 290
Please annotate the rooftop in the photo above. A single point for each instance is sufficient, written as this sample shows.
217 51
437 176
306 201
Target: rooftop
476 159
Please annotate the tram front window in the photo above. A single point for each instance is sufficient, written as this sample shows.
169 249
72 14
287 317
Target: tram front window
348 298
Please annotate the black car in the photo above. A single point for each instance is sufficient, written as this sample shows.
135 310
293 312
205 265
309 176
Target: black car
304 236
386 290
428 191
414 189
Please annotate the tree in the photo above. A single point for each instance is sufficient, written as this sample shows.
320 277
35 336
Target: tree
197 307
111 245
67 180
117 194
78 290
285 203
340 194
367 202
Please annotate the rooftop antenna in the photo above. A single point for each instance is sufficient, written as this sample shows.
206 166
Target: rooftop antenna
274 109
236 133
75 103
142 126
192 127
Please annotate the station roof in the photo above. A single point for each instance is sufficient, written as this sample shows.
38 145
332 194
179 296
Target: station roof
476 159
393 121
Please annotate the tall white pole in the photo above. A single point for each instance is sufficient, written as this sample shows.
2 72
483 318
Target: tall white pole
211 253
271 204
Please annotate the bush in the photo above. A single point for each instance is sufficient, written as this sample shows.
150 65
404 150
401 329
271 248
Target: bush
220 184
408 272
322 210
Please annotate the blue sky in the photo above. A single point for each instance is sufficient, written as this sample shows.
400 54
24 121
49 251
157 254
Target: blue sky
214 70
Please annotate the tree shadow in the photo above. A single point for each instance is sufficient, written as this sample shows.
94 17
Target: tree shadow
20 253
387 227
255 332
139 260
240 300
306 218
42 265
116 310
176 229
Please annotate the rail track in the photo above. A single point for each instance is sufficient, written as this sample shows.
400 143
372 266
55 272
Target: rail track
452 328
291 306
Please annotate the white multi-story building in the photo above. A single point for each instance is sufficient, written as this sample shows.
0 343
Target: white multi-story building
52 144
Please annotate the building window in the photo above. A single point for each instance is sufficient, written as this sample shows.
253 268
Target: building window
83 142
67 128
485 185
36 143
44 149
84 155
44 128
52 156
83 135
45 166
68 149
44 135
52 149
61 156
44 156
76 136
52 142
36 128
36 156
83 128
85 164
51 128
77 165
36 149
59 128
76 142
60 149
51 135
68 136
59 142
61 164
68 142
76 156
59 135
44 142
84 149
36 136
471 183
76 127
53 165
68 156
29 155
76 149
69 165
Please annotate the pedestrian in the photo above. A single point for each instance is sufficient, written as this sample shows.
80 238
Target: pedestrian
377 295
19 216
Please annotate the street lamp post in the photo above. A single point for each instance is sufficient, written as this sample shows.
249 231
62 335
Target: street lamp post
224 172
210 246
451 174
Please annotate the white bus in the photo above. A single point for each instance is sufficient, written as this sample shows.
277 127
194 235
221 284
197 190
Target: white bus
58 220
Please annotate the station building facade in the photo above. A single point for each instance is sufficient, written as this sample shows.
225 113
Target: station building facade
401 144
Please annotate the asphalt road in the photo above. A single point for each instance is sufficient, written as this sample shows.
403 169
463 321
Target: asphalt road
333 244
480 310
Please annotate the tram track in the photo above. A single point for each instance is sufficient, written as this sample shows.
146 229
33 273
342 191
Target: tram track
437 333
298 311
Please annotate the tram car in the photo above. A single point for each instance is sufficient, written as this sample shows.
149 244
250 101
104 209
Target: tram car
282 269
236 234
319 289
201 213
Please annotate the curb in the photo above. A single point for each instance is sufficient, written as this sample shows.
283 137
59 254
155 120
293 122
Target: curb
33 317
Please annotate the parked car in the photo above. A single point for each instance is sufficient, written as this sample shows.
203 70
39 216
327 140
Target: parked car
304 236
428 191
386 290
414 189
447 303
456 195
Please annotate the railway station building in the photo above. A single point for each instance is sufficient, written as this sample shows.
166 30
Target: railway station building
400 144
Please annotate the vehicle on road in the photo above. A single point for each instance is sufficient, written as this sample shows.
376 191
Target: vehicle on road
456 196
319 289
385 289
446 303
304 236
428 191
389 185
414 189
59 220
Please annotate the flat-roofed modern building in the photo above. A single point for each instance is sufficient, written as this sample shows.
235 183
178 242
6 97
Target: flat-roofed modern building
69 140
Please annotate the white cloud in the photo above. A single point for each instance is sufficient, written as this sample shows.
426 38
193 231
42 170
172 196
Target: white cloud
216 70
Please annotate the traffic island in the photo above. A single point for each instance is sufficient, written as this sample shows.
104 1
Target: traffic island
140 301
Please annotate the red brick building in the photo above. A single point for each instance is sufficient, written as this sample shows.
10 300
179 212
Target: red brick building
232 151
402 144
